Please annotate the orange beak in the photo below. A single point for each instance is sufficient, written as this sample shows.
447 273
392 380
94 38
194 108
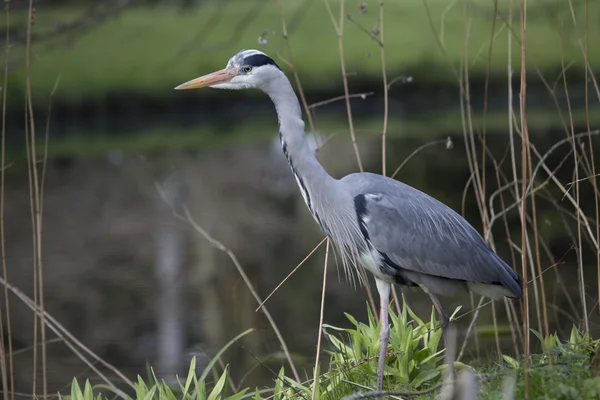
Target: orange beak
222 76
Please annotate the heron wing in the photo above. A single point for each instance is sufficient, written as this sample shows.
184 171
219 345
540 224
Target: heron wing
418 233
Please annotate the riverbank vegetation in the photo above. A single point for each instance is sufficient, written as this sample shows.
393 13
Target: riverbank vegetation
564 369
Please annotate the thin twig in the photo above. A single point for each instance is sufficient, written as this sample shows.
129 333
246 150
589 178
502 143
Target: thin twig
385 91
414 153
8 338
338 98
524 174
291 273
35 211
339 28
320 334
405 393
293 67
470 328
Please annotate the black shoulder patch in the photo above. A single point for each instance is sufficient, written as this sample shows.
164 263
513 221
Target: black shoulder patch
258 60
360 206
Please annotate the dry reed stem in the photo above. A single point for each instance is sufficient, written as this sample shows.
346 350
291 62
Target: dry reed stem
589 75
483 158
6 387
439 39
385 90
511 321
590 144
416 151
471 327
339 29
551 176
469 136
320 334
524 164
338 98
290 63
34 190
538 263
584 46
571 133
567 195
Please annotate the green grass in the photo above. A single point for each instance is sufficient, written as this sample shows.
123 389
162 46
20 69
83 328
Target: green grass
153 49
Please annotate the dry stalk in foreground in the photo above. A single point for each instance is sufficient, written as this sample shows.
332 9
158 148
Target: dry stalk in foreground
301 263
316 372
6 387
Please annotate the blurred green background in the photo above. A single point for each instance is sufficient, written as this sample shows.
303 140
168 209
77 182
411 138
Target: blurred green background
112 61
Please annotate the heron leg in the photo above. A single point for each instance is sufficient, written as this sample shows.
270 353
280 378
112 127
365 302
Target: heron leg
444 323
384 335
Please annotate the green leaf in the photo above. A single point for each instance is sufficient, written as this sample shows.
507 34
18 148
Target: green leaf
168 392
190 376
511 361
432 356
575 337
150 394
352 319
257 395
459 365
453 316
200 388
88 393
218 386
539 336
118 392
421 355
221 351
75 390
279 385
424 377
140 388
418 320
238 395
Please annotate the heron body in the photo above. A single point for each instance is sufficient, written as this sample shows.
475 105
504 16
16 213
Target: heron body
398 233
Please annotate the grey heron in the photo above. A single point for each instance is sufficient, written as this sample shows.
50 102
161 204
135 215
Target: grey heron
398 233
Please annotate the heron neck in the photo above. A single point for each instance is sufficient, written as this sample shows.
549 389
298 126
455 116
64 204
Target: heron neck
326 198
301 158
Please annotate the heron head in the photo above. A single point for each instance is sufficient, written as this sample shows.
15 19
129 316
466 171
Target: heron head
246 70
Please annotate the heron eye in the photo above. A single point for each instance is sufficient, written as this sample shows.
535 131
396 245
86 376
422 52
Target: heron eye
247 69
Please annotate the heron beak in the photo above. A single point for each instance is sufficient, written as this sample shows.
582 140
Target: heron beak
222 76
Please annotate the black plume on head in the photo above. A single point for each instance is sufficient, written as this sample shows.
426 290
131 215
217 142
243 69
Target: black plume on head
258 60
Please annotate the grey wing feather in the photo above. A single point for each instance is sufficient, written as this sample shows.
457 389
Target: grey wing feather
420 234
